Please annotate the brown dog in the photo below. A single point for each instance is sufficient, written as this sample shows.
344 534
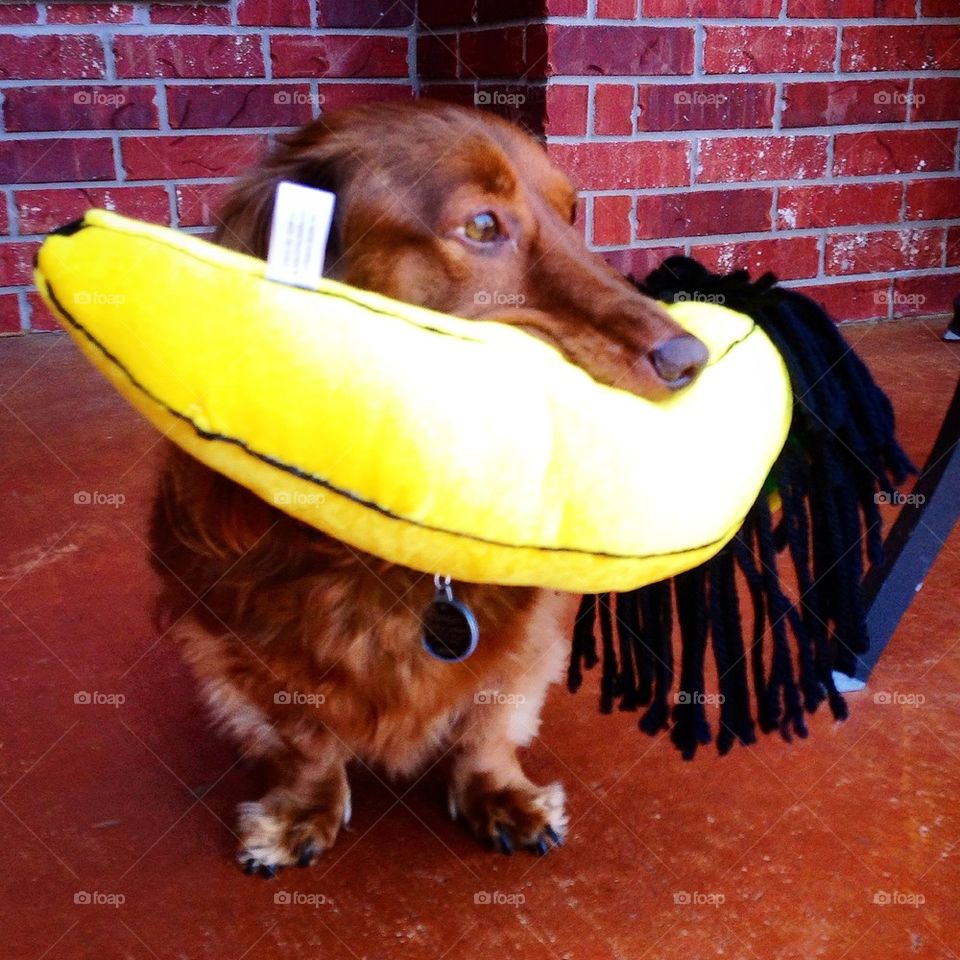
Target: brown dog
310 652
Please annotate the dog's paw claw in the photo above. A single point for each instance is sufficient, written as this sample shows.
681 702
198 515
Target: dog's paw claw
253 867
308 853
510 817
274 836
546 841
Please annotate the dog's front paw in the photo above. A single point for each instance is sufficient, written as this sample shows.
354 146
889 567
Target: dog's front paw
274 834
512 816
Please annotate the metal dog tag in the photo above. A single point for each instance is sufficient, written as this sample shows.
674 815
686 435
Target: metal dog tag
450 630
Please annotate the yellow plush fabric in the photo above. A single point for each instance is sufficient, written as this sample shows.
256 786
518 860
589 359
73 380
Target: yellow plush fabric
458 447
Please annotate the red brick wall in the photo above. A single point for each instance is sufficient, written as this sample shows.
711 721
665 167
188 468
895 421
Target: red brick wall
814 138
490 53
788 135
150 109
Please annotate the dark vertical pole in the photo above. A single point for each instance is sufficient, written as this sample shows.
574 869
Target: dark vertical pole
915 540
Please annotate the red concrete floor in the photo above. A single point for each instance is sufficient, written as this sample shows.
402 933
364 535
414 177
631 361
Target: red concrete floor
773 852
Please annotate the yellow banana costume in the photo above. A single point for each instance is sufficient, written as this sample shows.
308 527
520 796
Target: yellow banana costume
465 448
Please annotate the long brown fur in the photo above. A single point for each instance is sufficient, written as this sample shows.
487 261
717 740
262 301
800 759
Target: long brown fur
308 651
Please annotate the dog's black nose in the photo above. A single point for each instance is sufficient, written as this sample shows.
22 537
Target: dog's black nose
679 360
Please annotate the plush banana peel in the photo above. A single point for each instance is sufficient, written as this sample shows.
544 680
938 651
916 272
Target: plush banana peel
459 447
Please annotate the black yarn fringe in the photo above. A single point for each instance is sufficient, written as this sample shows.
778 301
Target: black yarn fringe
841 451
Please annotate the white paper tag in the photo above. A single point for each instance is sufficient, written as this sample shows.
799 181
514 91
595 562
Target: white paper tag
298 236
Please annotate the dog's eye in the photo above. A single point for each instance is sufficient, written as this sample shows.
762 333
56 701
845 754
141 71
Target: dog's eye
483 228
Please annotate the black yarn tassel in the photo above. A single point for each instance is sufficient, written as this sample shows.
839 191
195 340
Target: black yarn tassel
842 450
628 635
584 653
690 726
785 696
729 655
646 646
608 676
811 637
742 544
657 634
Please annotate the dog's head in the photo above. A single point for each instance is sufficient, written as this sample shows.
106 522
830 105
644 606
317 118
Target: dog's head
458 210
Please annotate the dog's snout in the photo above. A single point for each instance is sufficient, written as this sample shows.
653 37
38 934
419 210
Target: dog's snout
679 360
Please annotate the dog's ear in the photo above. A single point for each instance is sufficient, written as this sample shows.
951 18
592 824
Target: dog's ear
312 156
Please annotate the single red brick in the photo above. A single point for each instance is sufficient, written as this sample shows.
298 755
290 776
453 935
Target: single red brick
939 8
639 261
5 220
198 203
726 159
613 109
368 13
953 247
274 13
567 110
80 108
41 319
705 106
838 102
936 98
333 96
523 105
788 258
703 212
437 56
769 49
14 13
624 166
39 211
500 11
57 160
832 206
611 220
89 12
925 296
462 93
51 57
537 51
893 151
878 251
10 321
565 8
898 47
190 13
16 263
937 199
851 9
338 55
240 105
188 56
492 53
620 51
711 8
183 158
441 13
855 300
617 9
